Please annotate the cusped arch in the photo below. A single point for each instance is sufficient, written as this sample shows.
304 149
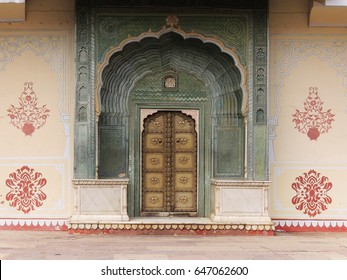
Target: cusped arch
217 66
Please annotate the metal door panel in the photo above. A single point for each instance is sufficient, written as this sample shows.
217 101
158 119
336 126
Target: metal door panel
184 181
154 180
185 202
184 141
169 164
154 201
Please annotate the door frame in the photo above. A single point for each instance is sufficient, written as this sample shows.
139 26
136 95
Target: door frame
203 155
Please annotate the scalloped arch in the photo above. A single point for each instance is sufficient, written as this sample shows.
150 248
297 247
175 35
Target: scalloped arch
217 66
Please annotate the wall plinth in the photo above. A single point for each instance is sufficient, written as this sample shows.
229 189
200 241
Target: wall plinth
238 202
100 201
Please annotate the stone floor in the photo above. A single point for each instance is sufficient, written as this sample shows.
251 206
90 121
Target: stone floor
48 245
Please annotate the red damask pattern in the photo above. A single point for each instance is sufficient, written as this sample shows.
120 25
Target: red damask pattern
313 121
311 193
26 189
28 117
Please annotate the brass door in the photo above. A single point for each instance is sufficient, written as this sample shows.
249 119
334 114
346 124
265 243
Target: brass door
169 164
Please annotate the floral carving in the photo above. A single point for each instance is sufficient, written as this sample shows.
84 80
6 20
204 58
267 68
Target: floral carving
155 161
183 180
28 116
311 193
26 189
181 141
155 123
155 180
154 199
182 123
157 141
183 160
313 121
172 21
183 199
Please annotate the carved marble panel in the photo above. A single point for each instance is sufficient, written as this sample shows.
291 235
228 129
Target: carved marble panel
100 201
240 201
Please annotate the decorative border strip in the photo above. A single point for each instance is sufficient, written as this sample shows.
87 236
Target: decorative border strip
133 228
37 225
97 182
309 226
183 229
228 183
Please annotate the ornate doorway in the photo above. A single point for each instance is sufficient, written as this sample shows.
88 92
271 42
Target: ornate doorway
208 80
218 64
169 164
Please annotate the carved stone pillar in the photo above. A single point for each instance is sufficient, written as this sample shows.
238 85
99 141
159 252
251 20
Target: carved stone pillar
84 162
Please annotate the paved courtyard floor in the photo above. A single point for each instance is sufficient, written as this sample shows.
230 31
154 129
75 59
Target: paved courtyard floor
46 245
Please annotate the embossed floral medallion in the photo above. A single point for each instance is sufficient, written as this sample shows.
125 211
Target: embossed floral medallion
28 117
154 199
183 199
312 193
313 121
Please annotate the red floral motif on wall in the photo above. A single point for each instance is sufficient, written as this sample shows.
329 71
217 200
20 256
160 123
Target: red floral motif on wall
311 193
28 116
313 121
26 189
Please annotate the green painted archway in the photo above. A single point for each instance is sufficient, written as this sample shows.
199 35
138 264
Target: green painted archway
208 81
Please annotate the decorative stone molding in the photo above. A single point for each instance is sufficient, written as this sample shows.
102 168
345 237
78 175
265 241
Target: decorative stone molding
100 201
172 228
240 202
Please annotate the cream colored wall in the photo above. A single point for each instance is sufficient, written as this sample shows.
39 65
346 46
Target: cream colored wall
40 51
303 57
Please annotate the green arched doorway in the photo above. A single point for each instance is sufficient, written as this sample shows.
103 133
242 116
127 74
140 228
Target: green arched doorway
172 73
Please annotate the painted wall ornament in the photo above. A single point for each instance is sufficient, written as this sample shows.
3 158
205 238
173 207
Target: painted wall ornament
313 121
311 193
26 189
28 117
